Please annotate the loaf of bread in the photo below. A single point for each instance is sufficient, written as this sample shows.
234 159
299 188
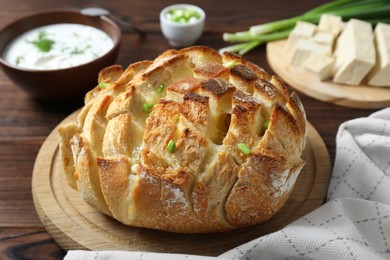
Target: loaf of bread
191 142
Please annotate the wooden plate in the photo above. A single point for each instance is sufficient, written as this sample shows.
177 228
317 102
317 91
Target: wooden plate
366 97
73 224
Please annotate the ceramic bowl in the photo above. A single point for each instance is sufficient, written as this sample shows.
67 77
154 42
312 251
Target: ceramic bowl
182 34
58 85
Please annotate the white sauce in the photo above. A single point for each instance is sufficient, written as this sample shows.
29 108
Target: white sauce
72 45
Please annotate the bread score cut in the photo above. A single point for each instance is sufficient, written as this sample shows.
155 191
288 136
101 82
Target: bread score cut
191 142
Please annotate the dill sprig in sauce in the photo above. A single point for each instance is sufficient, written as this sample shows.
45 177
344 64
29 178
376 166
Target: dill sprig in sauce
43 43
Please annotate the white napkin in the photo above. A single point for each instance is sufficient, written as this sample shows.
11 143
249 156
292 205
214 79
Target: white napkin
353 224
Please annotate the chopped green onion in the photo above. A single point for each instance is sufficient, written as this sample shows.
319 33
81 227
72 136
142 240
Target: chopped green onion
103 84
182 15
161 88
171 146
148 107
265 125
229 64
372 11
244 148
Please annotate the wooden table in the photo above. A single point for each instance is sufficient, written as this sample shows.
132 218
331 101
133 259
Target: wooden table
25 123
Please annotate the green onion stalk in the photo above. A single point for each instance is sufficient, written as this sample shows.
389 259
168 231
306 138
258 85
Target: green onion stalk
372 11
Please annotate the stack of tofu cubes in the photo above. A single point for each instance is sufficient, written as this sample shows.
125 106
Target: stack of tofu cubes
348 53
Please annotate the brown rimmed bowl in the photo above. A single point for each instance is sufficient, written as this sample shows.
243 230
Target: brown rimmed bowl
58 85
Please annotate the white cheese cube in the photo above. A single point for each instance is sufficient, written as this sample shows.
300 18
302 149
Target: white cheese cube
355 53
324 38
321 65
380 74
305 48
302 30
331 24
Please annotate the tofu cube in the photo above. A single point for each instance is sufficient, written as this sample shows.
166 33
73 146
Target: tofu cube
302 30
380 74
324 38
305 48
321 65
330 24
355 53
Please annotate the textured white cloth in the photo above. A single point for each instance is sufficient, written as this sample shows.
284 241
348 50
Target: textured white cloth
353 224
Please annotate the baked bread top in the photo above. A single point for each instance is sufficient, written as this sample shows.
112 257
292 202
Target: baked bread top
194 141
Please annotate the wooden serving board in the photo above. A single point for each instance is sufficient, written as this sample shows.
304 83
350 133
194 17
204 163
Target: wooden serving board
73 224
363 96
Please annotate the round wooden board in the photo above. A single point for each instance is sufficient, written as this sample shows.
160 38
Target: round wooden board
365 97
73 224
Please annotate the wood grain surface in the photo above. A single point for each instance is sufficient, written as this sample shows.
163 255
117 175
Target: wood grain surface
76 225
362 96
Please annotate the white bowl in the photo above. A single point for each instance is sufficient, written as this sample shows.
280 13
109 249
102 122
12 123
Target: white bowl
182 34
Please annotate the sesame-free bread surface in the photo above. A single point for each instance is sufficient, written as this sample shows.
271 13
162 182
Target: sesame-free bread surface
191 142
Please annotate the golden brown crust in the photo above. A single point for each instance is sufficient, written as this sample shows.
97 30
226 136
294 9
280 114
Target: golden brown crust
66 134
211 70
159 146
114 183
238 60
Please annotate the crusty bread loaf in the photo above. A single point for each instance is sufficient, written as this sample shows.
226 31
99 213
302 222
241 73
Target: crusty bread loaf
202 105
